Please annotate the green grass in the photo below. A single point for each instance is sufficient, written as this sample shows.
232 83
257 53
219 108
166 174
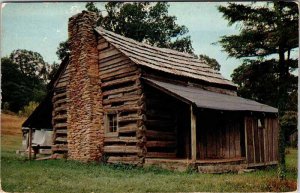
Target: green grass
21 175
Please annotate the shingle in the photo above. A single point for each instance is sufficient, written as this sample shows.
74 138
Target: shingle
162 59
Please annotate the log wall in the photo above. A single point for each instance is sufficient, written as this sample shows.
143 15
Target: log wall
219 135
261 142
163 118
59 114
122 95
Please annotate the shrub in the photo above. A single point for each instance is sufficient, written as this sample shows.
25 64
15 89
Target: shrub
28 109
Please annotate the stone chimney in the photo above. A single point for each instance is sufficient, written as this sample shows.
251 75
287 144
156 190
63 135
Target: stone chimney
85 112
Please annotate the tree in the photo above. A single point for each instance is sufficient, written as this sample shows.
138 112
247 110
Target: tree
30 64
269 31
210 61
24 78
143 22
63 50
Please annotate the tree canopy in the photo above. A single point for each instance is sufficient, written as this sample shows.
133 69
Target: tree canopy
213 63
142 21
24 78
267 35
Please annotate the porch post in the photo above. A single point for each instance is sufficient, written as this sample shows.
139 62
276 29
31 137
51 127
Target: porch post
193 134
30 143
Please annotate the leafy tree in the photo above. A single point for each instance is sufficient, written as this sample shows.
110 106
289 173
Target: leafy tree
269 31
30 64
24 77
143 22
210 61
63 50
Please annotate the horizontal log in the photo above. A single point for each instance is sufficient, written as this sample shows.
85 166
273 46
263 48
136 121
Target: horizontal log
59 147
108 53
62 84
112 60
131 118
61 131
116 68
60 125
120 81
128 128
61 139
120 140
122 90
64 100
121 149
60 117
121 99
160 155
101 40
103 46
121 71
60 108
160 135
161 143
125 62
127 160
60 95
123 108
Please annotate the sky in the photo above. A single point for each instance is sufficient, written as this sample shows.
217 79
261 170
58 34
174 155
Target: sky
41 26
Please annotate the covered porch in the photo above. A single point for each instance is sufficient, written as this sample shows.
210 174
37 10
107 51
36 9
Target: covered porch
210 128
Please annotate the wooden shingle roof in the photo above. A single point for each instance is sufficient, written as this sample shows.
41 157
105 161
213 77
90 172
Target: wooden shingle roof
162 59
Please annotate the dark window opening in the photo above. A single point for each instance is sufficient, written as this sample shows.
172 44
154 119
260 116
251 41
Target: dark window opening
112 123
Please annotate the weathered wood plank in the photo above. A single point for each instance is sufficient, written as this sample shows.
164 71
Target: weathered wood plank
102 46
60 117
117 68
108 53
60 125
61 131
131 78
61 139
119 72
120 140
122 99
122 90
121 149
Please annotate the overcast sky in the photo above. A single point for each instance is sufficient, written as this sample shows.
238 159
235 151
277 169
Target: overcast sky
41 26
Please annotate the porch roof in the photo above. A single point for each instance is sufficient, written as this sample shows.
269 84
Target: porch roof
208 99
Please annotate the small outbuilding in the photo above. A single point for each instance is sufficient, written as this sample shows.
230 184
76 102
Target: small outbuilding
122 101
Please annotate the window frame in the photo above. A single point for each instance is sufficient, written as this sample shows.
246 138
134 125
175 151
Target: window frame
108 131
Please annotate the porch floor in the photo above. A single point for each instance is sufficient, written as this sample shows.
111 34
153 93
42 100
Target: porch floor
211 164
205 161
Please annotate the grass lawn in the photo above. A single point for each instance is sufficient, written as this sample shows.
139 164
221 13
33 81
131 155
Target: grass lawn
21 175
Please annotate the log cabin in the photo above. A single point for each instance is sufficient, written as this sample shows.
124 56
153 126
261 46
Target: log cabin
117 100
